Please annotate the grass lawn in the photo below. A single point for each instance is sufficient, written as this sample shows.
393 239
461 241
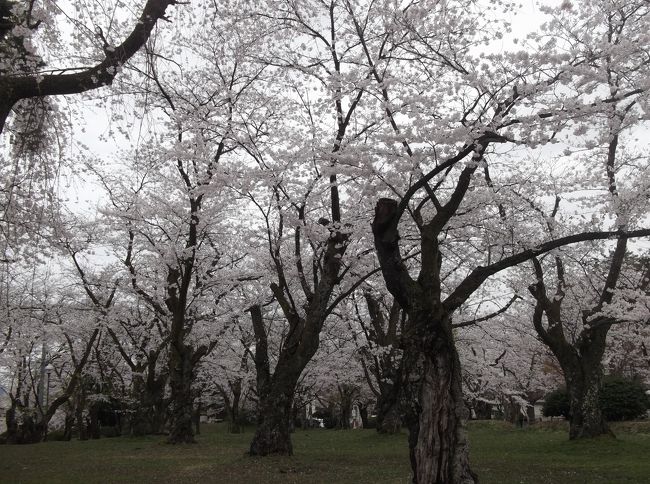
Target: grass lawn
500 455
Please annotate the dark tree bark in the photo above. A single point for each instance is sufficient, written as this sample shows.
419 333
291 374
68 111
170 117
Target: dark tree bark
94 427
385 374
149 414
196 417
67 427
584 385
273 432
346 402
442 452
439 449
181 376
232 401
15 88
442 457
79 415
234 424
389 419
276 392
581 361
275 395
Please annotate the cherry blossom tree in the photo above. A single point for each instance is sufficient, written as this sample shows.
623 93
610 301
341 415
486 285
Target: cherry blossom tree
578 321
491 112
306 195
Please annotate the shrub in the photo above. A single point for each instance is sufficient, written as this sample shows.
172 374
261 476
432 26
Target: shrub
556 404
622 399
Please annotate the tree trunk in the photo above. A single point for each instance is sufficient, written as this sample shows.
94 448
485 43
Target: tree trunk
412 421
68 425
12 424
275 393
180 380
483 410
581 357
157 404
5 110
389 420
586 419
197 418
233 408
345 407
363 415
442 451
273 433
94 427
139 421
441 454
233 421
530 412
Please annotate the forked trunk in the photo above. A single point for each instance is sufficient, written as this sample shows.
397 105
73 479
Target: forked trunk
275 393
273 433
441 453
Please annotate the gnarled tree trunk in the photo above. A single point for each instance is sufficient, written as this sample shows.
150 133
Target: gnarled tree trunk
437 437
441 453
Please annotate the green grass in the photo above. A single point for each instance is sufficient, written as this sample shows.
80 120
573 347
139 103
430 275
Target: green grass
506 455
500 455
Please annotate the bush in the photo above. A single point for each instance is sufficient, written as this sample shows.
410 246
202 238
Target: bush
556 404
622 399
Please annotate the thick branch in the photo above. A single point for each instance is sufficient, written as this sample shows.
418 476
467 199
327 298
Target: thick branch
14 89
474 280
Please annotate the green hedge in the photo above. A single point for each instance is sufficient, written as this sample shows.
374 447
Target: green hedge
622 399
